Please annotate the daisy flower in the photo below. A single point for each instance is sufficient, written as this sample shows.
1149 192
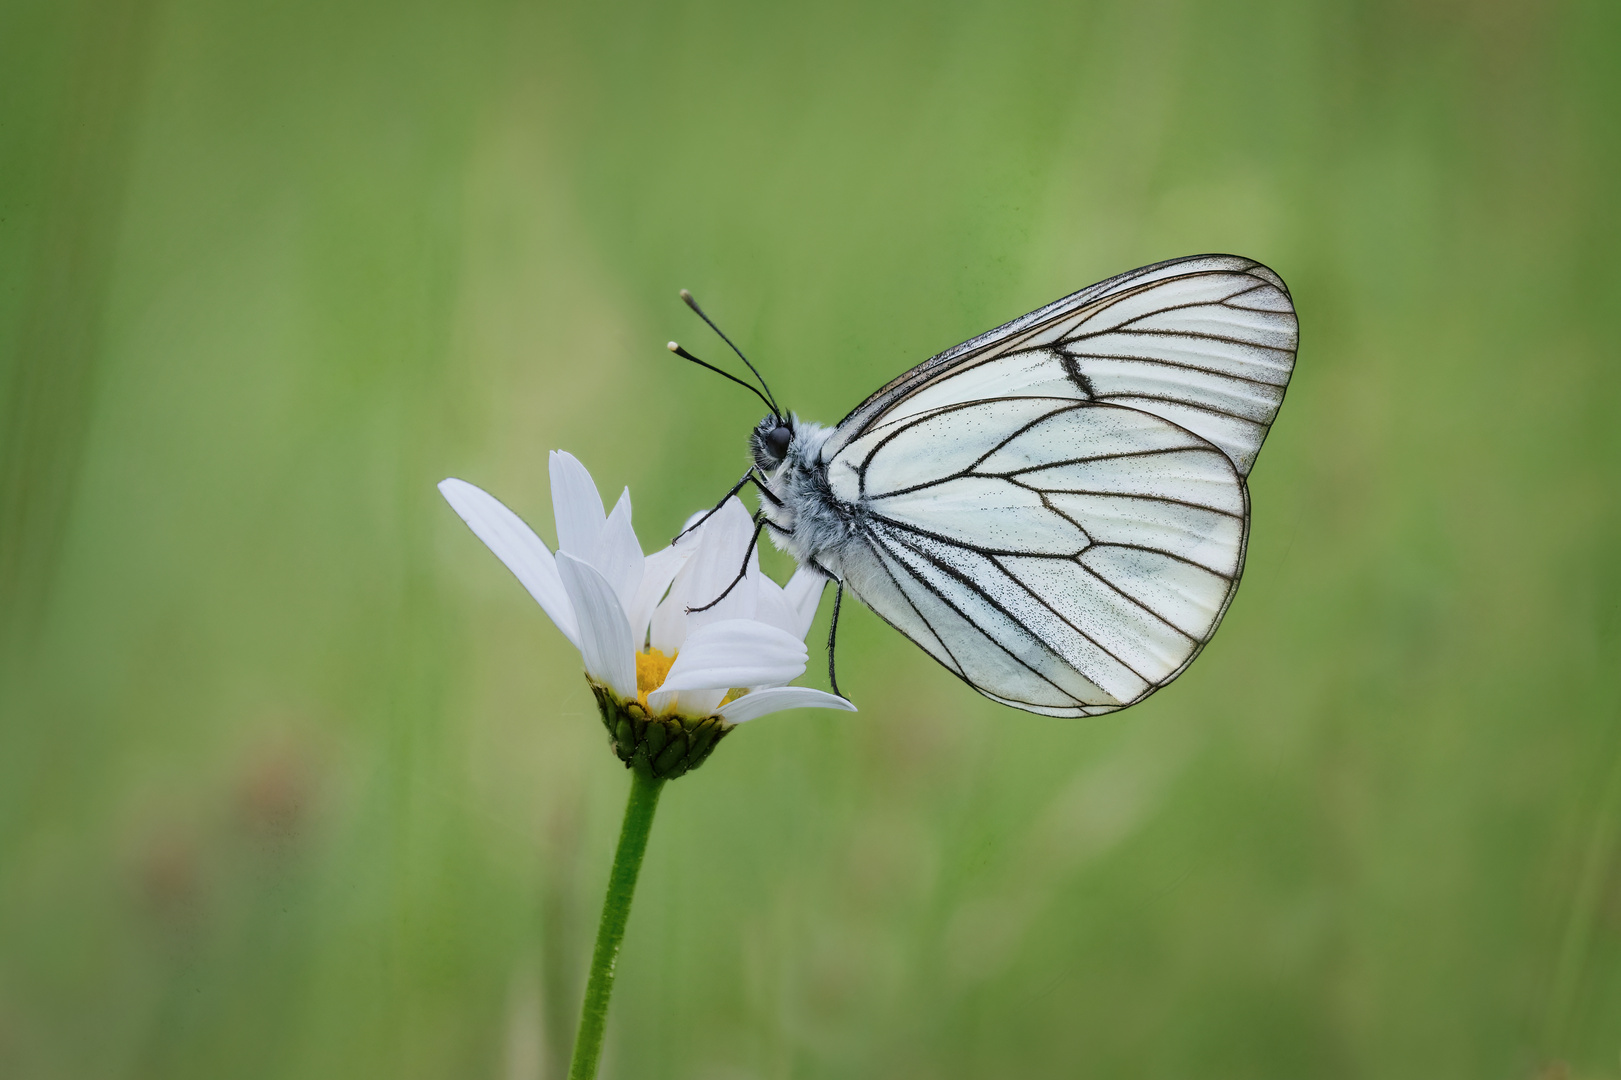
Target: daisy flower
670 682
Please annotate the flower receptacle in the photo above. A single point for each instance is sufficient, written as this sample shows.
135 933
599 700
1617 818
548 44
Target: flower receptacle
662 747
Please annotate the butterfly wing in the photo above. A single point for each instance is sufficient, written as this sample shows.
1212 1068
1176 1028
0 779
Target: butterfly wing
1207 342
1056 511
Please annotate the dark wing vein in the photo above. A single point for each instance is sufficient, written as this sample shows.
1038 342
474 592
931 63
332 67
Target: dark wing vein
947 601
1160 361
1125 495
995 604
1124 595
871 540
1197 335
1139 395
907 526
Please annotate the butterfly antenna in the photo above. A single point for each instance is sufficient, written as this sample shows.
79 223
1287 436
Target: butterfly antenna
750 387
771 399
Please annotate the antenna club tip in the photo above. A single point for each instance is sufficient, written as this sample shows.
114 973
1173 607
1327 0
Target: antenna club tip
672 346
685 295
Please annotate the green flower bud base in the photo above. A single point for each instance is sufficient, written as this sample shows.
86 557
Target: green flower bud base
660 747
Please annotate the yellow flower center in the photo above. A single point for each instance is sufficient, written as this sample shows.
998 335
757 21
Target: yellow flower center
652 668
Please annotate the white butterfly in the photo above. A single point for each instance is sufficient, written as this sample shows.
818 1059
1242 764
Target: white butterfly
1056 511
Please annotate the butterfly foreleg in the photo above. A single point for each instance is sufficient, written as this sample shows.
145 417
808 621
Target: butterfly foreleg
759 524
752 476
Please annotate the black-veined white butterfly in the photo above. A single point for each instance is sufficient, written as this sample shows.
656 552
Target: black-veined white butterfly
1056 510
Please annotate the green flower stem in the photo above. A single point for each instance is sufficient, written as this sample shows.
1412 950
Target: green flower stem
644 799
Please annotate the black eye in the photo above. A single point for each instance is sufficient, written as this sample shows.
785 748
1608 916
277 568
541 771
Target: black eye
778 440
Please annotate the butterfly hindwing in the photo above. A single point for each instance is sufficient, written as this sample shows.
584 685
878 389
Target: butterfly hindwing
1064 556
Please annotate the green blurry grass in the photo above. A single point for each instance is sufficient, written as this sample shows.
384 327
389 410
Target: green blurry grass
296 782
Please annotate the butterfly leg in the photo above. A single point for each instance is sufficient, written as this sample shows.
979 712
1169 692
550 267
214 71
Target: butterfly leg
752 476
833 624
759 524
832 638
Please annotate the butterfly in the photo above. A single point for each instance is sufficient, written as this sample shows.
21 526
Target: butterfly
1057 510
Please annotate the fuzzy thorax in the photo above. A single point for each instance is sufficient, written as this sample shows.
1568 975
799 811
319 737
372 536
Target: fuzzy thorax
810 523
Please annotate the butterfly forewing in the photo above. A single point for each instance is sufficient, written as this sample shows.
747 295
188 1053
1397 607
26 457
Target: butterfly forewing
1207 343
1056 510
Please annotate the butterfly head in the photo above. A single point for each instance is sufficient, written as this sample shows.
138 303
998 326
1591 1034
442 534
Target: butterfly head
769 442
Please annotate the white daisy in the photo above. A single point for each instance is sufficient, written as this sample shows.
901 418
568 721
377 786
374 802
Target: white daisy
701 673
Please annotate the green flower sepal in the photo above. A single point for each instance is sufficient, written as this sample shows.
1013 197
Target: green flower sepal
661 747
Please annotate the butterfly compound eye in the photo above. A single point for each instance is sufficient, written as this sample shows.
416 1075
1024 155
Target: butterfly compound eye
779 439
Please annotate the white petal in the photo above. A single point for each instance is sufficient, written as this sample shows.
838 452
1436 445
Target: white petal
685 702
668 630
761 702
619 555
658 571
803 593
516 545
605 641
577 506
772 607
736 652
725 537
717 553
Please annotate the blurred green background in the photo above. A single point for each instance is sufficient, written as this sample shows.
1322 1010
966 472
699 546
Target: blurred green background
295 780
